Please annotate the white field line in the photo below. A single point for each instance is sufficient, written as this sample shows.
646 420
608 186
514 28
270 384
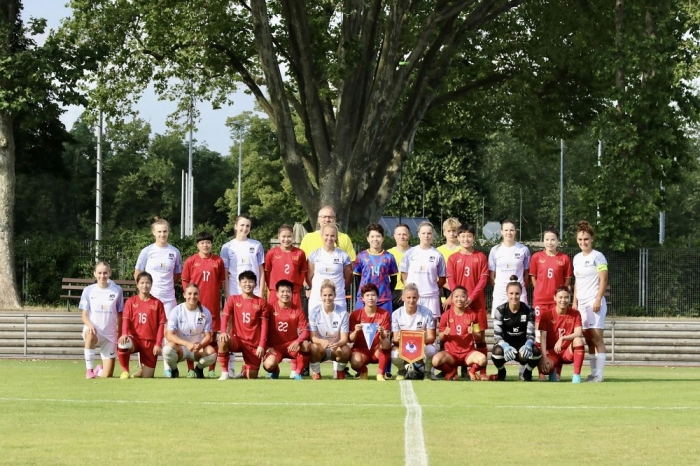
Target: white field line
351 405
414 441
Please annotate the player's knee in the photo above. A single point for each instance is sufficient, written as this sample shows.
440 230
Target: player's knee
479 358
497 352
398 362
343 354
270 364
578 341
430 351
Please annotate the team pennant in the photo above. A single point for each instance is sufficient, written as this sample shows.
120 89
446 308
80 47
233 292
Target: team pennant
412 347
369 331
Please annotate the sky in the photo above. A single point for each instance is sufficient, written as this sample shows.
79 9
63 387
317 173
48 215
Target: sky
211 129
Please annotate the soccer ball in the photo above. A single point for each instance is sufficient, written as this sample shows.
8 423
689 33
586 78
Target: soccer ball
415 371
127 346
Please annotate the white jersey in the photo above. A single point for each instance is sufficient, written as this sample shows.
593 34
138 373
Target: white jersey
586 270
189 325
329 325
507 261
421 320
102 306
328 266
239 256
423 267
162 263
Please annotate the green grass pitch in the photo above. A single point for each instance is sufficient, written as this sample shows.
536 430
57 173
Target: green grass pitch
52 415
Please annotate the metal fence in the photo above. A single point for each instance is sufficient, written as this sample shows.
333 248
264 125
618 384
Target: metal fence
645 282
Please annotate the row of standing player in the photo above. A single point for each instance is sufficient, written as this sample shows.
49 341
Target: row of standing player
423 266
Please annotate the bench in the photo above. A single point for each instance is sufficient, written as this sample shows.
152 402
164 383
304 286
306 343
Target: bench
73 288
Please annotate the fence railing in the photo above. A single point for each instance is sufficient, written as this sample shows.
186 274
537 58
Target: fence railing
653 282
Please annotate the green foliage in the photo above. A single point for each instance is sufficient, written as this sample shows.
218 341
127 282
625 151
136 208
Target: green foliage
266 193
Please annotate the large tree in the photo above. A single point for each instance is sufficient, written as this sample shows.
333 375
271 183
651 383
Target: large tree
360 75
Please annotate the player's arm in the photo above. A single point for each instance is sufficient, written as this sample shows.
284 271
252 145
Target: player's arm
602 285
533 275
530 333
303 325
162 322
354 323
444 327
269 257
310 273
574 300
263 282
171 335
498 327
357 279
185 277
347 275
316 338
483 280
264 322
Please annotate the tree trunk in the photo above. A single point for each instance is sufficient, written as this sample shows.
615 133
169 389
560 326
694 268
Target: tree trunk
9 298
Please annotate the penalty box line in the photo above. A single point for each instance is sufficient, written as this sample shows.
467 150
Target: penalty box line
350 405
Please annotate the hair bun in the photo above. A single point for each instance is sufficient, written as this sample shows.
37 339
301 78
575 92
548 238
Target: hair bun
514 278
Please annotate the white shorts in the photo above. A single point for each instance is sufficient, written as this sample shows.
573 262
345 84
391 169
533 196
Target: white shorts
433 303
590 319
108 348
169 305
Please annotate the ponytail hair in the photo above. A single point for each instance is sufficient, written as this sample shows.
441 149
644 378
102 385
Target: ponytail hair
585 227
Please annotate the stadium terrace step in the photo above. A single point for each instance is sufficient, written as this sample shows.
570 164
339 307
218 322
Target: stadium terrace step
661 341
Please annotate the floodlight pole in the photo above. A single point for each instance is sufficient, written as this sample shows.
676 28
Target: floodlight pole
98 191
240 165
561 191
600 153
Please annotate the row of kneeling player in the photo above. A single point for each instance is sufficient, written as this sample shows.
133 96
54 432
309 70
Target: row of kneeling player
265 334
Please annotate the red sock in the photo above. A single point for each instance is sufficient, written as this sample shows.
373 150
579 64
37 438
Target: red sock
216 347
124 356
579 356
384 356
300 361
190 365
483 349
213 366
223 361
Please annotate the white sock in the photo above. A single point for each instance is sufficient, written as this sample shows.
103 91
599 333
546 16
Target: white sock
335 366
601 364
170 357
89 357
207 361
187 354
594 366
315 367
231 362
339 365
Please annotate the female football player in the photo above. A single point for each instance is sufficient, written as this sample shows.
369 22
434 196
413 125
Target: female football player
561 339
243 253
514 334
164 262
102 304
189 335
413 316
371 328
591 271
506 259
425 266
143 327
329 263
459 326
330 329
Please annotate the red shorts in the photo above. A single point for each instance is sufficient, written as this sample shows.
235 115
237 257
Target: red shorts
249 357
370 356
280 352
461 357
145 350
541 309
215 323
565 357
272 298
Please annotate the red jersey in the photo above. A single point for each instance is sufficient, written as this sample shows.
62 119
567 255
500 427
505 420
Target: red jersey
144 320
249 319
382 318
472 272
550 273
461 338
286 326
285 265
209 274
558 326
